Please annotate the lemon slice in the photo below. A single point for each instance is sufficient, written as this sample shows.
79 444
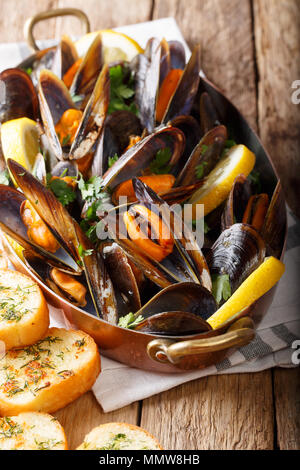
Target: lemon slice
256 285
116 46
18 249
239 159
20 141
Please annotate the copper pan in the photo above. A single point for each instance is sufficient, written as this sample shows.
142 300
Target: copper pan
170 354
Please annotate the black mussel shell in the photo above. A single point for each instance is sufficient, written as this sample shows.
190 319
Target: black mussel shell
183 296
18 96
238 251
173 323
236 202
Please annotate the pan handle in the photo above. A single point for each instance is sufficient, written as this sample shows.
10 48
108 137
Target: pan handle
45 15
166 350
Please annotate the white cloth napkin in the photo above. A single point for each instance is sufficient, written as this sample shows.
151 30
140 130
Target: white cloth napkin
119 385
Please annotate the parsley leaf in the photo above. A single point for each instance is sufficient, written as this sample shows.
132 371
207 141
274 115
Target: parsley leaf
230 143
90 189
129 321
61 190
112 160
120 90
77 98
66 140
221 288
159 165
4 177
82 252
254 179
200 170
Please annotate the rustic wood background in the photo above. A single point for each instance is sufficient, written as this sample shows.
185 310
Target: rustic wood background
251 49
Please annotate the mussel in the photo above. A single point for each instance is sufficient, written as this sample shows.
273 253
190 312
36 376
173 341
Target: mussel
18 96
178 309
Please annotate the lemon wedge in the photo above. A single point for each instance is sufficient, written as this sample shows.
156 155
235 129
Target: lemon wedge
18 249
255 286
239 159
116 46
20 141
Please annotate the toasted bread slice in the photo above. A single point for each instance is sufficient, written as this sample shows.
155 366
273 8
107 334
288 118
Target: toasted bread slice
24 314
49 374
119 436
32 431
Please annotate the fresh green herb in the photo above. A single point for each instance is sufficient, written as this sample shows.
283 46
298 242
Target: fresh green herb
115 443
47 445
61 190
121 90
129 321
83 252
112 160
159 165
90 189
28 70
230 143
221 288
204 148
255 181
66 140
95 197
77 98
206 228
4 177
8 428
200 170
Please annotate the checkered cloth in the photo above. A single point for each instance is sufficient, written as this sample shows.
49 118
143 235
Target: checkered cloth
278 335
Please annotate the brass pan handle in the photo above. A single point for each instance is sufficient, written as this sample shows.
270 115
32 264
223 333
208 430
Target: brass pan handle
45 15
166 350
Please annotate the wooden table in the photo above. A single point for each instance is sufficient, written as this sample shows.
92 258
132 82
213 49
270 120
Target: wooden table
251 50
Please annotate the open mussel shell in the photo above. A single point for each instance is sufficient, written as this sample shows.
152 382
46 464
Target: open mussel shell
182 100
190 259
88 72
147 83
138 158
183 296
208 114
122 125
184 263
70 236
12 225
177 55
191 129
65 168
121 274
236 202
64 57
93 118
173 323
98 279
274 228
238 251
206 153
56 94
18 96
54 99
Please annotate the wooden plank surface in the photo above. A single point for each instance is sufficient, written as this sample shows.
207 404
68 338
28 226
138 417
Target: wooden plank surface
234 411
277 39
221 412
228 60
287 407
84 414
